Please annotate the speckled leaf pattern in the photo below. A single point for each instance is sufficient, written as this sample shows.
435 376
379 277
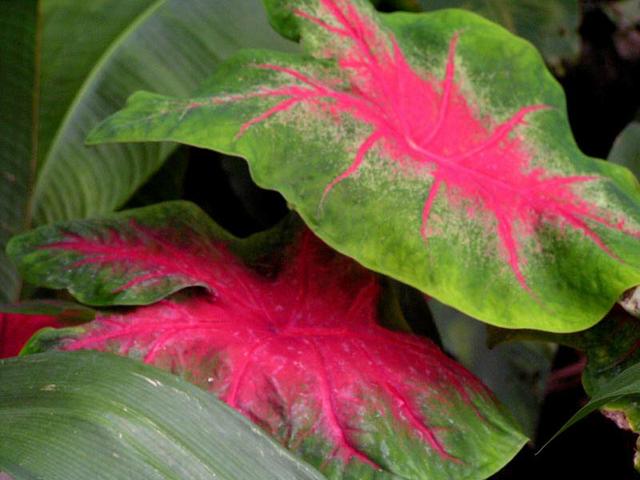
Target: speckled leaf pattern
125 260
299 351
433 148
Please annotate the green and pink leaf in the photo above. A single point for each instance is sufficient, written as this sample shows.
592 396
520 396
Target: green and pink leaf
433 148
300 351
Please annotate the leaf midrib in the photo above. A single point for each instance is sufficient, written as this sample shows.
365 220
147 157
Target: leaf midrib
86 84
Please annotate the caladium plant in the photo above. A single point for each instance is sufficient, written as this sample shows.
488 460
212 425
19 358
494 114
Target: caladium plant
298 350
431 147
16 329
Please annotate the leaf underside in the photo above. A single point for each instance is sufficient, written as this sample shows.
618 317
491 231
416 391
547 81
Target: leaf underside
433 148
300 352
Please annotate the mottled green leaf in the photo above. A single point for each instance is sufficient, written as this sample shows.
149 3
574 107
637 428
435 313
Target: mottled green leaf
418 162
89 415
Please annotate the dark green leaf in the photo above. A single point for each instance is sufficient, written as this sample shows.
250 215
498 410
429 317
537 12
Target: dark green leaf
551 25
89 415
18 98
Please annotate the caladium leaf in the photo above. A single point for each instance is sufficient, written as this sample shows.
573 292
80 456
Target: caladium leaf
64 65
299 352
433 148
126 260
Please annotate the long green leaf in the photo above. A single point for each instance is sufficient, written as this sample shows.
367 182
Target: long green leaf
91 57
88 415
18 87
167 45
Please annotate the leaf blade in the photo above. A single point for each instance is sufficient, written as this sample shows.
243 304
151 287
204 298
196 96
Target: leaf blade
270 108
302 354
75 181
124 260
18 44
625 384
124 408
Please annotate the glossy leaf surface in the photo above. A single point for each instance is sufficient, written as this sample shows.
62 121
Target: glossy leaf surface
299 352
81 415
433 148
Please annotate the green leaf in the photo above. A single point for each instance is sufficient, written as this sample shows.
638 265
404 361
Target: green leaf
626 148
76 63
551 25
623 387
18 73
92 415
132 258
289 347
453 215
169 46
611 347
65 311
516 372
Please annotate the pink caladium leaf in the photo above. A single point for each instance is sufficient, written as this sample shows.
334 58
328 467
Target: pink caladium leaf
299 351
16 329
431 147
